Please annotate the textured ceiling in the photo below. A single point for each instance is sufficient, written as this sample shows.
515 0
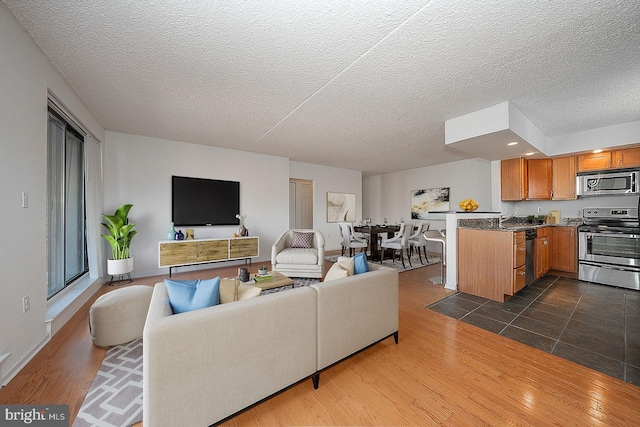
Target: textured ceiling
355 84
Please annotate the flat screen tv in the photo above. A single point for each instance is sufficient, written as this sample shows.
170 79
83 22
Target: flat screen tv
199 201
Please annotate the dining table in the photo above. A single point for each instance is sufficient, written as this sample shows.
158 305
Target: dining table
373 231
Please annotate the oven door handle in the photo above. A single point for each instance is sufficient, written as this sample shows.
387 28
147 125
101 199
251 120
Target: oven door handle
610 267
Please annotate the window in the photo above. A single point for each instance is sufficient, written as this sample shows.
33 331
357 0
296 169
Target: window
66 230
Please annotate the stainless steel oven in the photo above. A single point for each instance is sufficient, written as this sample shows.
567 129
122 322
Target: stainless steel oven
609 247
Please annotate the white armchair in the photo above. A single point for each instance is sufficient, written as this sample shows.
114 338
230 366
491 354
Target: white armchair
299 253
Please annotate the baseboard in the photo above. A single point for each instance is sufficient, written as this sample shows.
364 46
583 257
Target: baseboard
23 362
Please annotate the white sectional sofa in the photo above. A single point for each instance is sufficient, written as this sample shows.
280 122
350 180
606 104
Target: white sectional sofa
203 366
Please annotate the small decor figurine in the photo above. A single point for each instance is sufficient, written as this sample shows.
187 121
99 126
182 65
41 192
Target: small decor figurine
179 235
190 234
242 231
243 274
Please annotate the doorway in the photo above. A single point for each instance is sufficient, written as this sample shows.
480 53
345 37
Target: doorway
300 203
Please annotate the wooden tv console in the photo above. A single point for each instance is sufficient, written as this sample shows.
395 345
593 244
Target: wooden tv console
180 253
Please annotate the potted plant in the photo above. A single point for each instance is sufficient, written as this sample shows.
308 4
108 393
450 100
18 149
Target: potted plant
119 237
262 270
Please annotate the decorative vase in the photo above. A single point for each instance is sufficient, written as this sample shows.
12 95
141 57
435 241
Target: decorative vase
242 231
179 235
172 233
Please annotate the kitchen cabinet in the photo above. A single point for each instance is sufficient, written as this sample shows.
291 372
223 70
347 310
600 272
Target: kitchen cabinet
513 179
491 263
628 158
539 179
564 249
564 178
542 252
616 159
594 161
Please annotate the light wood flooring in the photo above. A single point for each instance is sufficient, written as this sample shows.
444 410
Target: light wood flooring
443 372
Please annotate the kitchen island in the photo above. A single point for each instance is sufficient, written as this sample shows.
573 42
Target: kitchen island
452 221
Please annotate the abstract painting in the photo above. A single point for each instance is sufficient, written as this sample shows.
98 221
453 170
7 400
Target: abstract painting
429 200
341 207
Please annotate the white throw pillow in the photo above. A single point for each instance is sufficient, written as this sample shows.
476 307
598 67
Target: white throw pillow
342 268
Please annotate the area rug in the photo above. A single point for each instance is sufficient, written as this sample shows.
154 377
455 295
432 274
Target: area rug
115 396
415 261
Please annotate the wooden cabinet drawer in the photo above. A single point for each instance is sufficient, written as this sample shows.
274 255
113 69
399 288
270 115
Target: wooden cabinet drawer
518 279
213 250
519 237
177 253
519 254
243 248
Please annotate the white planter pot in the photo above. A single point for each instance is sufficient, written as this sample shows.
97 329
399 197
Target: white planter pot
117 267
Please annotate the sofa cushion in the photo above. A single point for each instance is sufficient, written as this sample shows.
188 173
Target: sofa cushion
298 256
229 292
188 295
341 268
360 264
302 240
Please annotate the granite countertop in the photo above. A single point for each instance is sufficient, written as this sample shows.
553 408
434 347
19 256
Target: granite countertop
517 224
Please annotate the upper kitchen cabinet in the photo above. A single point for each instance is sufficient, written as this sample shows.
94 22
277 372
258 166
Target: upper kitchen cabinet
594 161
539 179
564 178
513 179
627 158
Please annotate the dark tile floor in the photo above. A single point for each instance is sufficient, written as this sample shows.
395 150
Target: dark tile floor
594 325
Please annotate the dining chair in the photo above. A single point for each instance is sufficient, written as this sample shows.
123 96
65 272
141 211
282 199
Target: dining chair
440 238
350 240
399 242
417 240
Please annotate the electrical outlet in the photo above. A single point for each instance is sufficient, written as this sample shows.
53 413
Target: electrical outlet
25 199
26 304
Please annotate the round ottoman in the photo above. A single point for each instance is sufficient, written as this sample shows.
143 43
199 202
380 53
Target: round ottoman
118 316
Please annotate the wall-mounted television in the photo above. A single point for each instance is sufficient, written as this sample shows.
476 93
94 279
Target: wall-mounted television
199 201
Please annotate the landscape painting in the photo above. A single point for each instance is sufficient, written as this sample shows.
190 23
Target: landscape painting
341 207
429 200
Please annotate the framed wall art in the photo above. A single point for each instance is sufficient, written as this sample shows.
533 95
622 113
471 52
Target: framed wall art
429 200
341 207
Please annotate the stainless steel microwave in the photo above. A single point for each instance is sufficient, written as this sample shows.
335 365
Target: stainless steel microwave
608 183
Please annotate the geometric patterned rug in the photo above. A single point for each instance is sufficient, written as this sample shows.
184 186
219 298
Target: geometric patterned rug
115 396
415 262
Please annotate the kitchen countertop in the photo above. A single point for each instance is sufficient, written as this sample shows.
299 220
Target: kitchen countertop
569 222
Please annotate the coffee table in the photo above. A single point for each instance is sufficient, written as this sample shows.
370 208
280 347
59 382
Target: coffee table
278 281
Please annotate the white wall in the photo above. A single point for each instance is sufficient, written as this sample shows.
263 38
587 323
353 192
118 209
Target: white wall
26 76
327 179
389 195
138 170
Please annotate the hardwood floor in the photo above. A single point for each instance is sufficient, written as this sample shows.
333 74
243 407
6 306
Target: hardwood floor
443 371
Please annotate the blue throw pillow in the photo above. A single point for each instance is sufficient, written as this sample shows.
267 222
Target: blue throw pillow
360 263
188 295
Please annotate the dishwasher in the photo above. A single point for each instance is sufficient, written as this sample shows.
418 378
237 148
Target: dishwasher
531 236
